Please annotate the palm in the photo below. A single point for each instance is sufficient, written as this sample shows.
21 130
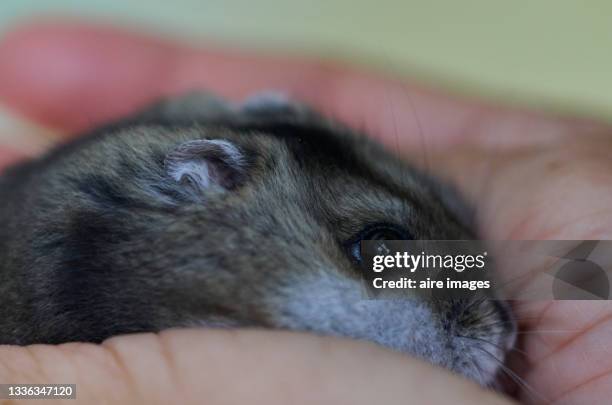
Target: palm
565 342
559 191
531 177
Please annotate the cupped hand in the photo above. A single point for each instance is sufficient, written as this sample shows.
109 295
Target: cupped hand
530 176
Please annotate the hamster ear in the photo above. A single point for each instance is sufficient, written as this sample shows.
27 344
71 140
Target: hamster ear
203 164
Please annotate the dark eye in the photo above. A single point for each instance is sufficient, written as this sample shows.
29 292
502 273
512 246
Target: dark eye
375 232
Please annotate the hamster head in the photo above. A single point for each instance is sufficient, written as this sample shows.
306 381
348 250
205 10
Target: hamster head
156 226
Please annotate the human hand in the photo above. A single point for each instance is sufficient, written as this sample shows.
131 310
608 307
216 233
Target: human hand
530 176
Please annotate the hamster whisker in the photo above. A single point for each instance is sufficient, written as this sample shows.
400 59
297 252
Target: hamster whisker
473 304
536 331
490 314
510 322
417 120
475 366
524 353
516 378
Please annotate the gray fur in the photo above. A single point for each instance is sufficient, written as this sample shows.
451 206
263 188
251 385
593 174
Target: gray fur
103 236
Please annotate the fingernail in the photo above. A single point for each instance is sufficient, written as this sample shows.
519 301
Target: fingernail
24 137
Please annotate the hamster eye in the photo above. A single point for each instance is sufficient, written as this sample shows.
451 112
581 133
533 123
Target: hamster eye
375 232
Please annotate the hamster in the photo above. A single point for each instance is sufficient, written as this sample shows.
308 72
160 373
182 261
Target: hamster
202 213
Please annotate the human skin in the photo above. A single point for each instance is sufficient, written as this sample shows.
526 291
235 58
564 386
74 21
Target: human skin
530 175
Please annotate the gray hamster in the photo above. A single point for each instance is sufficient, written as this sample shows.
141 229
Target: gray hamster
198 212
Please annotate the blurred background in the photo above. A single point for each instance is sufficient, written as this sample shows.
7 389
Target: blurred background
551 54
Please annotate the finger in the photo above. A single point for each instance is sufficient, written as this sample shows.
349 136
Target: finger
73 76
92 74
9 156
19 139
233 367
73 79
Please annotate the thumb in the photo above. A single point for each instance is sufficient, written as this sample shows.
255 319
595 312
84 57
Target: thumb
236 367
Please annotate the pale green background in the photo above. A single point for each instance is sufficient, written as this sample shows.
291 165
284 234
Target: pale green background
554 54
